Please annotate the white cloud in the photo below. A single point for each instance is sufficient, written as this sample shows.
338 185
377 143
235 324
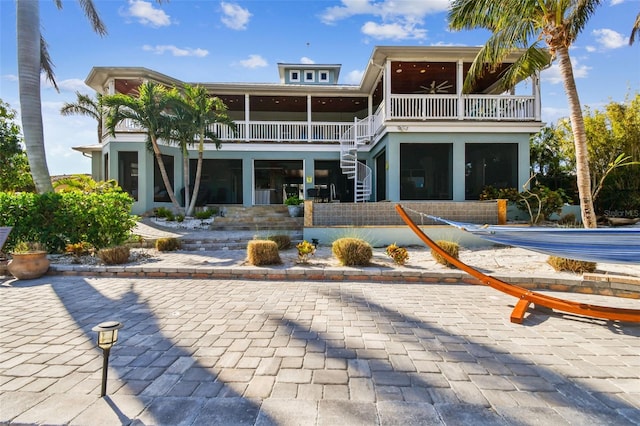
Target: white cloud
146 14
615 2
590 49
399 20
175 51
609 39
354 77
406 10
69 85
395 31
254 61
552 74
234 16
305 60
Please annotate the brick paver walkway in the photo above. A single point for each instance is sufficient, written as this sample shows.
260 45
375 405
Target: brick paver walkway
204 352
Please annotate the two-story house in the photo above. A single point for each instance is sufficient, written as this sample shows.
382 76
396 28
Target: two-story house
407 132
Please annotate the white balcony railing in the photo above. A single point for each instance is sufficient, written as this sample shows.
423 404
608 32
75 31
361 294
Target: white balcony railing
402 107
424 107
475 107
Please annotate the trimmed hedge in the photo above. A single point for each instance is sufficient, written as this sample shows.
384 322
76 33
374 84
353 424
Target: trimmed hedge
58 219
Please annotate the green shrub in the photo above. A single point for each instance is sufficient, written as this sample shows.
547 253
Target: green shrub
114 255
167 244
163 212
570 265
400 255
352 251
205 214
58 219
263 252
453 249
568 220
283 241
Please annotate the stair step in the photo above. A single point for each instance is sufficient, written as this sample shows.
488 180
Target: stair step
211 244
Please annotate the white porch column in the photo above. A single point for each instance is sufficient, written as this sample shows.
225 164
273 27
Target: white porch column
387 88
111 87
308 118
247 118
537 102
459 84
370 114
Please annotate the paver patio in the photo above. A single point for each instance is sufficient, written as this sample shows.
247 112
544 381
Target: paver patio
308 353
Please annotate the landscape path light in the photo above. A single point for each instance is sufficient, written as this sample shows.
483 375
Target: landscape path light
107 337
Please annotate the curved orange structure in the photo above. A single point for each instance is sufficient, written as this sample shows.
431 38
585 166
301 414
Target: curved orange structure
526 297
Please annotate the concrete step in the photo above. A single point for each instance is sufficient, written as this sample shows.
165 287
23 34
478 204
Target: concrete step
232 243
257 218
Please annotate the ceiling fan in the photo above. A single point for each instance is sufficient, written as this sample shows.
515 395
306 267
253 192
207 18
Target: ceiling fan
434 88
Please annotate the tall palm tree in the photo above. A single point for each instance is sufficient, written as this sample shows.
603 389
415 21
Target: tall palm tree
206 111
87 106
182 130
149 110
33 57
529 25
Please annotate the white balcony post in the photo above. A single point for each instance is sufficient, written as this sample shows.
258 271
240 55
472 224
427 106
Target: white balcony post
247 118
459 83
309 112
535 88
387 88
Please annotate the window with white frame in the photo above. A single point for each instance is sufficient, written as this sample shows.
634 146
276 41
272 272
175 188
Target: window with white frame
323 76
309 76
294 76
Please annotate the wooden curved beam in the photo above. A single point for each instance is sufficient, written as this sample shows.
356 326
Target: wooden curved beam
526 297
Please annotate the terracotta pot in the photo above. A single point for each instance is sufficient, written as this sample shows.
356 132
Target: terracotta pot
27 266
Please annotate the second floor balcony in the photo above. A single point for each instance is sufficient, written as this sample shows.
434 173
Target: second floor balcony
401 107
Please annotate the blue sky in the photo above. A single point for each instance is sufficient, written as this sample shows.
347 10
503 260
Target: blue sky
242 41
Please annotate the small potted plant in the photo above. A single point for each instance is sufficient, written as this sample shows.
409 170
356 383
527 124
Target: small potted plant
294 204
28 261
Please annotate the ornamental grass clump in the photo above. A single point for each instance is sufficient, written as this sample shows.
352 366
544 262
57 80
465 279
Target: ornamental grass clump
167 244
400 255
283 241
352 251
114 255
263 252
450 247
576 266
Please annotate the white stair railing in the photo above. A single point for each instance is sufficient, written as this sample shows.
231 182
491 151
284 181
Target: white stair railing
358 134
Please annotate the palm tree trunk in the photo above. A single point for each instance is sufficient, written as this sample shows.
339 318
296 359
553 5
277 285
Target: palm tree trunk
185 168
28 42
196 183
579 139
165 177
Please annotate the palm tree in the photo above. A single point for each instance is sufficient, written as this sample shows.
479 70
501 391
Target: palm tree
85 105
33 57
181 129
528 25
206 111
149 110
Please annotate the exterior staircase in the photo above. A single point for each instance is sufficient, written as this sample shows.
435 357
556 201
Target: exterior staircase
257 218
242 224
357 135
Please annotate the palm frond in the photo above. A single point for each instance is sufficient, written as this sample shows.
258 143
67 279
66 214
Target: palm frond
46 65
635 30
94 18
